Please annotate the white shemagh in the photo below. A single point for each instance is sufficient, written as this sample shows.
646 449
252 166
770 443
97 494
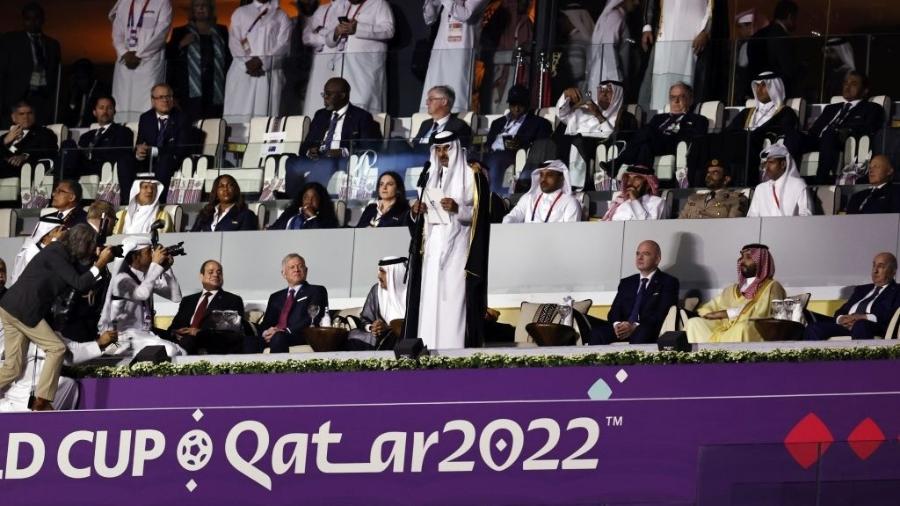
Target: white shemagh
109 314
556 165
790 186
763 112
392 300
31 247
138 218
579 121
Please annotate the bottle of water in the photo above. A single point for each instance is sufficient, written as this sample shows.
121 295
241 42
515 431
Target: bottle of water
326 319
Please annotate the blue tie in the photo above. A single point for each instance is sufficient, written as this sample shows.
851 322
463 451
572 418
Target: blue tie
634 316
326 144
862 305
161 135
297 222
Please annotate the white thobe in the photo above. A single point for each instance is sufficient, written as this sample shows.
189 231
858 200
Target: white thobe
548 209
579 121
131 88
680 21
452 56
442 311
364 53
28 251
325 60
793 198
269 40
605 48
648 207
132 316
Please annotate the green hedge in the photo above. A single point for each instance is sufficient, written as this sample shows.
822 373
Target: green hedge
484 361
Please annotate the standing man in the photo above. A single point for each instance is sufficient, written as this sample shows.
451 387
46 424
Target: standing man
771 48
23 307
163 140
719 201
550 198
259 38
785 193
31 62
454 263
452 56
642 301
139 34
325 61
360 33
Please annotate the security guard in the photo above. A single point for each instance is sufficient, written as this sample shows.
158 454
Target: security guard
719 202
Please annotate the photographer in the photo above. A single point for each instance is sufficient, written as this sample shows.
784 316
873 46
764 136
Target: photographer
23 308
144 272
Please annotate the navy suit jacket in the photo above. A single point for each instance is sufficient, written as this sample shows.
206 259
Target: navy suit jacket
864 119
880 200
176 142
358 125
298 319
662 293
692 125
113 146
454 124
533 128
234 219
884 306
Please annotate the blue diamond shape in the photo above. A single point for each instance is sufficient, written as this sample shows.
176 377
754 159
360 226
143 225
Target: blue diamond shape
599 391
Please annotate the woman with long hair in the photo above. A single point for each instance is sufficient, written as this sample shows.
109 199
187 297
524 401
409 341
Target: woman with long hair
311 208
391 209
226 209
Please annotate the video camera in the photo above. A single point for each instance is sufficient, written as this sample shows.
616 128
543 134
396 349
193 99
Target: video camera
173 250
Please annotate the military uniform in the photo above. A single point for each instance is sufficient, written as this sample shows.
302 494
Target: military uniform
722 203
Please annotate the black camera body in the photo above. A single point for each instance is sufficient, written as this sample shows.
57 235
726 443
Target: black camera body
173 250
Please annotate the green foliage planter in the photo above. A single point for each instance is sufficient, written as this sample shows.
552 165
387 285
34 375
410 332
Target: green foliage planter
493 361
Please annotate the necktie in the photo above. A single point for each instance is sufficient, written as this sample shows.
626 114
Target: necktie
710 196
634 316
286 310
200 313
161 134
862 205
842 114
863 305
38 47
297 222
326 144
427 138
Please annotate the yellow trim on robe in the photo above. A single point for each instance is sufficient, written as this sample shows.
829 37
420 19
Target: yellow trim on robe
740 329
160 215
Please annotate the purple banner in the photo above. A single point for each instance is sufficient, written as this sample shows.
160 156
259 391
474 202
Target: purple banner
687 434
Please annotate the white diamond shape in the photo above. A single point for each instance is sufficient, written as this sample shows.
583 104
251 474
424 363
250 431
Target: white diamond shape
191 485
621 375
197 415
501 445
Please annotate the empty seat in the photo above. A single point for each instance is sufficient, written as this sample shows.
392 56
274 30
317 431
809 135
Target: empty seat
714 111
383 120
8 221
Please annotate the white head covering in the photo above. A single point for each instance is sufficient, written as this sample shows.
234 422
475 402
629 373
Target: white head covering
453 182
138 218
556 165
129 244
842 51
615 105
764 112
392 300
578 121
788 193
31 246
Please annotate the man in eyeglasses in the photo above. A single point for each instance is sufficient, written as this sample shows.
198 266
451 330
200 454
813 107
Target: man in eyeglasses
66 200
338 124
163 139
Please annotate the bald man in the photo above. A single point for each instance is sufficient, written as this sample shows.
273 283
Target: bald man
883 196
641 303
868 311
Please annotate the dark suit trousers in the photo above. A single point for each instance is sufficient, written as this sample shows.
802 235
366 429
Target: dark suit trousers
602 333
497 162
647 144
862 329
280 343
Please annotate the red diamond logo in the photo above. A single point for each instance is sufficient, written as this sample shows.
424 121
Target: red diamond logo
865 438
808 440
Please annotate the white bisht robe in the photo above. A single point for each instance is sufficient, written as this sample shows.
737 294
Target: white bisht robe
539 207
269 39
364 53
442 310
605 40
325 61
680 21
453 55
131 88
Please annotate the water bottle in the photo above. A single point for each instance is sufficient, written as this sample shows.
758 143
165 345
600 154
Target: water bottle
326 319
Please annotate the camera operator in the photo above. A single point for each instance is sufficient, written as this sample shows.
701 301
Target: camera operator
144 272
23 308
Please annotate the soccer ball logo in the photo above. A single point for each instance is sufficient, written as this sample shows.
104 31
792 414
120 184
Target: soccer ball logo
194 450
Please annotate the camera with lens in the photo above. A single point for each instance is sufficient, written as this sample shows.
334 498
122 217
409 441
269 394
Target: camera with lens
173 250
103 234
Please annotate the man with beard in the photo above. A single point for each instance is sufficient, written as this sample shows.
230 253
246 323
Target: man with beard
109 142
726 318
638 199
785 193
719 201
550 198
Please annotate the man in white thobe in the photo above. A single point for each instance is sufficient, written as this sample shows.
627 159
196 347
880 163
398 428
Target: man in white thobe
325 61
608 43
453 187
550 198
259 39
785 193
48 229
682 32
638 199
452 56
361 42
139 35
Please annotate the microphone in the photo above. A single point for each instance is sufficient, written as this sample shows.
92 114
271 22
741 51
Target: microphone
423 177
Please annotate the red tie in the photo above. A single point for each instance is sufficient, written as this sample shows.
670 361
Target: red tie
286 310
200 313
778 204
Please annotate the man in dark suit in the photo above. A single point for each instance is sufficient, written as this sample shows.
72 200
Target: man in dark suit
287 312
854 117
30 64
26 141
164 138
641 304
66 199
194 328
339 123
109 142
883 196
661 135
440 102
772 49
868 311
518 128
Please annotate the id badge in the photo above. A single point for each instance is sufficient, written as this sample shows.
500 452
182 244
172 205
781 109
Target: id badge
455 31
132 39
245 44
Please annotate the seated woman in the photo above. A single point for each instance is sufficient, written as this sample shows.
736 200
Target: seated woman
391 209
386 301
312 208
226 209
143 208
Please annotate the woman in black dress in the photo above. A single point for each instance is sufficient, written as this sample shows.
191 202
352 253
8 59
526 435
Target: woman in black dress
312 208
226 209
391 209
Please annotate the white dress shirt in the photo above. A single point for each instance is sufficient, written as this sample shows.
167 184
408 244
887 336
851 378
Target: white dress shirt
648 207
